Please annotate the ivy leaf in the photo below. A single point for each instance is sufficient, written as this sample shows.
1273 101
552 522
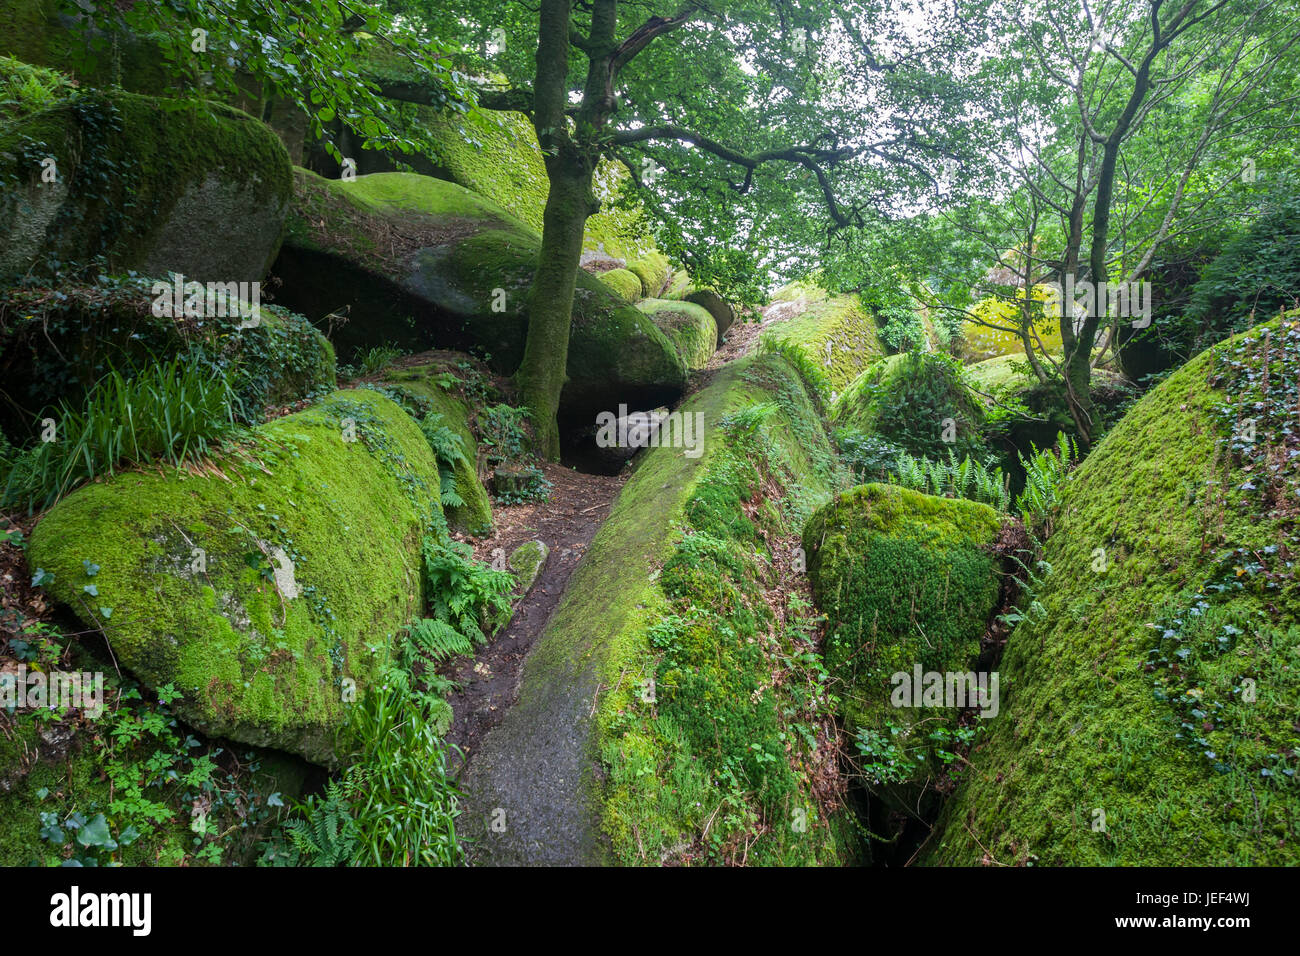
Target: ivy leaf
96 833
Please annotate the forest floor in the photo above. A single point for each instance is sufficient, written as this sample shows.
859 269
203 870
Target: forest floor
578 504
488 683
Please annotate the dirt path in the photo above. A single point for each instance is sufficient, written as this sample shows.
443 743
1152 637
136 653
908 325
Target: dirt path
489 682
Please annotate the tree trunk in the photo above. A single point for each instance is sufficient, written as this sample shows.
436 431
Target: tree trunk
569 169
541 374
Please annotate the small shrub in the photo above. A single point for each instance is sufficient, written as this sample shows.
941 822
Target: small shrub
378 358
396 805
504 432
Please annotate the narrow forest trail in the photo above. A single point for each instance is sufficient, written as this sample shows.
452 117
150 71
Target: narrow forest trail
524 765
488 683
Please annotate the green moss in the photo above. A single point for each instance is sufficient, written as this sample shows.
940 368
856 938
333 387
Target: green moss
918 400
693 332
652 270
149 196
1168 590
28 30
624 283
495 153
253 660
680 285
527 561
905 579
456 411
836 332
672 588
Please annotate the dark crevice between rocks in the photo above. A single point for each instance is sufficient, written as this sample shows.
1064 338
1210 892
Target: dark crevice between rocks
326 290
577 422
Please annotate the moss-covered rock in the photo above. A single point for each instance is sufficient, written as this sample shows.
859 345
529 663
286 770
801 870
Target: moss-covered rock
907 581
672 589
422 262
981 341
679 286
723 314
55 343
835 332
264 588
495 153
437 384
203 194
625 283
527 562
653 270
1148 710
918 400
691 328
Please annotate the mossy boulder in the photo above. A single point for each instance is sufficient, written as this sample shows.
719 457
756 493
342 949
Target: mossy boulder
718 307
908 582
55 343
203 194
495 154
421 262
835 332
266 587
679 286
653 270
917 400
1148 707
624 283
439 385
690 327
593 743
992 335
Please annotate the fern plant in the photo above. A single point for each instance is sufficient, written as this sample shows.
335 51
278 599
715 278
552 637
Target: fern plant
325 834
1045 474
463 593
439 639
449 448
1030 583
969 479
